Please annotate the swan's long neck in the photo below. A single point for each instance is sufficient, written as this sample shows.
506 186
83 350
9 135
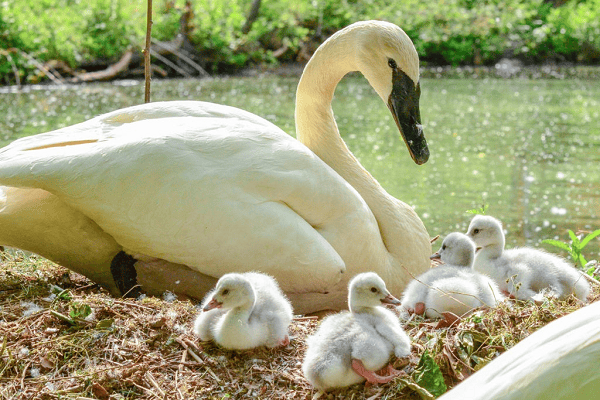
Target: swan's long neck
315 123
317 129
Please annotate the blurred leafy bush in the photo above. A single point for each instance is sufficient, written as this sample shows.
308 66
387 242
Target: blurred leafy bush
455 32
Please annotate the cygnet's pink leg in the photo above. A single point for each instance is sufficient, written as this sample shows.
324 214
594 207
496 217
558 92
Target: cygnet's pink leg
370 376
420 308
284 342
389 370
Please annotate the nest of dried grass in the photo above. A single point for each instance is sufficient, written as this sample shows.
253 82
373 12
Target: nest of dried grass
61 336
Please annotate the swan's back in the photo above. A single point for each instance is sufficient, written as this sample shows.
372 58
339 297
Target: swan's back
559 362
104 127
250 174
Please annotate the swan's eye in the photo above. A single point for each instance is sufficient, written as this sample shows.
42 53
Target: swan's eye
392 63
225 292
444 247
475 231
374 289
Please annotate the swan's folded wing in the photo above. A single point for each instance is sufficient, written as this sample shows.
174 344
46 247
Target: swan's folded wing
193 191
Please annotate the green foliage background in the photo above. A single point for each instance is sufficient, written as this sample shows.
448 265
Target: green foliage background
454 32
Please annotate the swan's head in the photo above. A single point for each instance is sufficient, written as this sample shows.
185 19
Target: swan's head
368 290
232 291
388 59
457 249
486 231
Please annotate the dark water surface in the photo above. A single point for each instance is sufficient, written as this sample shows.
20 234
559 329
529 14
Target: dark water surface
529 149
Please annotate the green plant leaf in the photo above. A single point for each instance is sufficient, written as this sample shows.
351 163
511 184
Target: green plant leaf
64 295
429 376
589 237
105 323
80 311
479 210
574 238
582 260
558 243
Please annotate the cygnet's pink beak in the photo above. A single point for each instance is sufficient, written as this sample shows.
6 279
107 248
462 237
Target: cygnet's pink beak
389 299
435 256
212 304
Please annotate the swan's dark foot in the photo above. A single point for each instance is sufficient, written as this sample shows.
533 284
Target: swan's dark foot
124 274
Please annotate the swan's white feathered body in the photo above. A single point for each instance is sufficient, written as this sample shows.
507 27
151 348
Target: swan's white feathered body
38 221
368 333
559 362
245 311
453 287
203 187
137 168
523 272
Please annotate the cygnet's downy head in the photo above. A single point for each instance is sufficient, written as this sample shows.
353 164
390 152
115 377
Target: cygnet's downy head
486 231
457 249
232 290
369 290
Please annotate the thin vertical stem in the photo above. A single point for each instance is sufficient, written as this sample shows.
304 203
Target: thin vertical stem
147 70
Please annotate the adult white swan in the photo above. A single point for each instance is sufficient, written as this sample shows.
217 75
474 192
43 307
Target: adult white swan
187 187
558 362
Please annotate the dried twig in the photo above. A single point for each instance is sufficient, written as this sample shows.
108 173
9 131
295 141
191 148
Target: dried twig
152 360
175 51
42 68
147 70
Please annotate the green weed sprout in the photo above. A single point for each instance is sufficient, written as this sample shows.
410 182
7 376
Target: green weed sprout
479 210
576 247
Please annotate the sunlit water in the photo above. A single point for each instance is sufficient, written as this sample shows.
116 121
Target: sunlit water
529 149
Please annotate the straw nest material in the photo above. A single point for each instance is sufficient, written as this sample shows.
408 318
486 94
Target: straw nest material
61 336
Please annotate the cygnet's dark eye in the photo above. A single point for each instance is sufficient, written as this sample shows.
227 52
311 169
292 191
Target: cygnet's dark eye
475 231
392 63
443 247
225 292
374 289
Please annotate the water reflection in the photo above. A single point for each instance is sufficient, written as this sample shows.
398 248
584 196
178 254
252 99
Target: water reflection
528 148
